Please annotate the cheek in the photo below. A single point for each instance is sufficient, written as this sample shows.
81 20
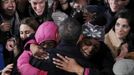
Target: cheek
126 31
28 35
116 30
21 36
110 2
4 6
42 7
33 6
89 49
14 5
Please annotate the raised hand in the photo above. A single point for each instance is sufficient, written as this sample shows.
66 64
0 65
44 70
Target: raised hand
124 51
5 26
7 70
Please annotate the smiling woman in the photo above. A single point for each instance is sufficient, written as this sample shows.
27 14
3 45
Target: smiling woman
8 6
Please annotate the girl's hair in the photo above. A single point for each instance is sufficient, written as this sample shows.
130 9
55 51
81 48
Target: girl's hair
127 14
31 22
87 41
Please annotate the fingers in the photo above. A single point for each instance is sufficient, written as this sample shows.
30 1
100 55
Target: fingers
10 45
39 53
42 55
60 67
5 26
55 60
61 61
65 63
125 45
68 58
8 68
62 58
58 62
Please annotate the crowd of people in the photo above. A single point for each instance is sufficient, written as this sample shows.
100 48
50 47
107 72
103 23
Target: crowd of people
66 37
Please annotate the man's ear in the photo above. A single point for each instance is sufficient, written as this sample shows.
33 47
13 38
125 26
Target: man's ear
58 37
80 38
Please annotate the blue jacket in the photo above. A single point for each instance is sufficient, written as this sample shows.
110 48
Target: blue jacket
1 58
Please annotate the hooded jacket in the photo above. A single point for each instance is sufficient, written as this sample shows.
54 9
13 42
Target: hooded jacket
46 31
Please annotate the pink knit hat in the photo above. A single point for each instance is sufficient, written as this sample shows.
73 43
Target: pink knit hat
46 31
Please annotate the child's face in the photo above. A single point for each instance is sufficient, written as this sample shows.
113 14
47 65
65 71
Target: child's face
48 44
86 50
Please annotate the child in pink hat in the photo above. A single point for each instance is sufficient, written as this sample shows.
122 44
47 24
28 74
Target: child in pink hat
45 37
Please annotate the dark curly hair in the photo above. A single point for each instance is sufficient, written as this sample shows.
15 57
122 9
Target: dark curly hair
90 42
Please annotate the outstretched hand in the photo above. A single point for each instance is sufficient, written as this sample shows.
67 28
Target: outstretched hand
68 64
7 70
